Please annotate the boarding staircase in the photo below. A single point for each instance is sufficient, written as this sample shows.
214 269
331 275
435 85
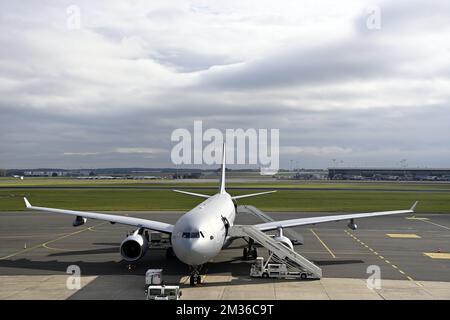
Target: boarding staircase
285 255
295 237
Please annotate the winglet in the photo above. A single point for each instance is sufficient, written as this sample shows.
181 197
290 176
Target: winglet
27 203
413 208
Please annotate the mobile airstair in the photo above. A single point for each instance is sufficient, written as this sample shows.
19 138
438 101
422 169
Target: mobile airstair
279 252
295 237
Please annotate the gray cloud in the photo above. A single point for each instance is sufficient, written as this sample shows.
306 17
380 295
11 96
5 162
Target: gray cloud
102 95
356 59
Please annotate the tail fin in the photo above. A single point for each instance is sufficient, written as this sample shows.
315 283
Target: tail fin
222 176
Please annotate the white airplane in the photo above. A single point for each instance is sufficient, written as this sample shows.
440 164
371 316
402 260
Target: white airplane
201 233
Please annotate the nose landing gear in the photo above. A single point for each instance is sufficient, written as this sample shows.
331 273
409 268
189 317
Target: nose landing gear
194 275
169 253
250 251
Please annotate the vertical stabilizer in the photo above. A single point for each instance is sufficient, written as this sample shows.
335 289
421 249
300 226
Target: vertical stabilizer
222 171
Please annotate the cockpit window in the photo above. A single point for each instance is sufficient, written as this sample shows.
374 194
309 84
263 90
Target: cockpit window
191 235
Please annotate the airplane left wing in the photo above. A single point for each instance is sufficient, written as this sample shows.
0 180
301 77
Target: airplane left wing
307 221
135 222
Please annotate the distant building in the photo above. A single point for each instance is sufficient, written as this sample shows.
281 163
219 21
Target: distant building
389 174
43 173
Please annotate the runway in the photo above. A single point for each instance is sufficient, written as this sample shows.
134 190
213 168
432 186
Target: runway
37 248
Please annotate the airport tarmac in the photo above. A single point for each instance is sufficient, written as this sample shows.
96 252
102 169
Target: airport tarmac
413 254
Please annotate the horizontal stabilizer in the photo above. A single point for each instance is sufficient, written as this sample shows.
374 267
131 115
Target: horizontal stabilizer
193 194
252 195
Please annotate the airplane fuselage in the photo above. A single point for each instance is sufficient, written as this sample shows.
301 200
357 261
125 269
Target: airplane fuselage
201 233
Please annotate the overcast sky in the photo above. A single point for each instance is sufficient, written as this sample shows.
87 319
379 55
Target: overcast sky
110 93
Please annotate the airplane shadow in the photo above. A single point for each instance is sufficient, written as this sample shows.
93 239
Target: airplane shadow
85 252
236 269
112 244
336 262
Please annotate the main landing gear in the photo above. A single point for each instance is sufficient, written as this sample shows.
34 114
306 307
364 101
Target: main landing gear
169 253
195 277
249 252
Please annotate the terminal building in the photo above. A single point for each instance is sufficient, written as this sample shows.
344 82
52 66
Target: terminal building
389 174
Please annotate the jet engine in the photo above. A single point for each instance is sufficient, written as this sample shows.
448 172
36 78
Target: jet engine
134 247
352 225
79 221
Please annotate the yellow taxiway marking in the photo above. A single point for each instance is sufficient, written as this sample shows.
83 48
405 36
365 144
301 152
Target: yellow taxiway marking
427 221
384 259
438 255
29 236
436 224
403 235
48 242
416 218
58 249
184 279
323 243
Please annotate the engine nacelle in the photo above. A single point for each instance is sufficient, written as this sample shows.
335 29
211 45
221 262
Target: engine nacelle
352 225
133 247
79 221
284 241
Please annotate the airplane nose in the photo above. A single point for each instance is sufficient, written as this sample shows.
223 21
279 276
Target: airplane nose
191 251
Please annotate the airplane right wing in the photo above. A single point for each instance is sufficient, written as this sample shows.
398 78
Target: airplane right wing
307 221
136 222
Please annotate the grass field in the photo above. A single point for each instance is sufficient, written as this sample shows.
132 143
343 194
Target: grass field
211 183
120 198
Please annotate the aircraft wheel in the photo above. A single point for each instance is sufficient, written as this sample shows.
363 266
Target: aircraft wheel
199 279
169 253
254 253
192 281
245 253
